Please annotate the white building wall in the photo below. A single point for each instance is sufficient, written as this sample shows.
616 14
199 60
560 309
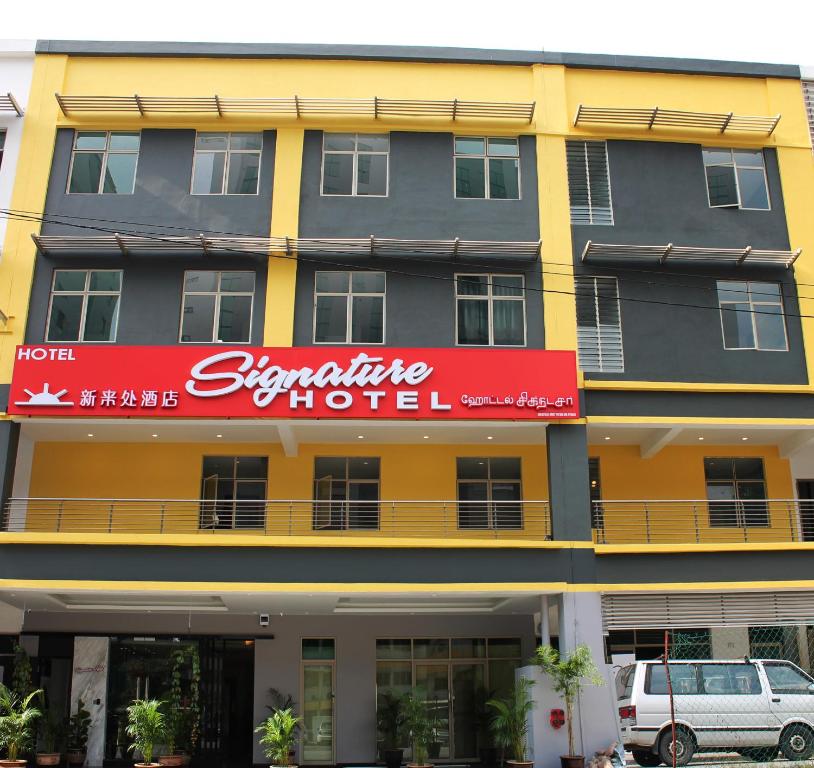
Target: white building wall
16 67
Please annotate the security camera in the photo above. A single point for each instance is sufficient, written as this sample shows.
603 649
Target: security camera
264 620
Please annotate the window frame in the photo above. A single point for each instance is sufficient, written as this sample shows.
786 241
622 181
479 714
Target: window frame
485 157
489 501
85 293
601 368
231 506
218 295
752 309
355 153
228 152
106 152
595 494
3 137
591 223
344 505
489 298
734 165
742 515
349 308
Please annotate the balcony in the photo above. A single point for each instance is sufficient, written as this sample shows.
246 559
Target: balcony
275 517
703 522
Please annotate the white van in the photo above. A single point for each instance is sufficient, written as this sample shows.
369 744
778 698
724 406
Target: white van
754 707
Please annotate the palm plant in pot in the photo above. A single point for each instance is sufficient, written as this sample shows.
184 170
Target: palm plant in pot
510 722
278 733
390 723
418 725
569 676
52 729
146 726
78 729
18 716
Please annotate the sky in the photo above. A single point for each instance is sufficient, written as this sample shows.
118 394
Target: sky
779 31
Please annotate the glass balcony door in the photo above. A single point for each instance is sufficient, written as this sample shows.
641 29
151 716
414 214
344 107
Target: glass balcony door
318 710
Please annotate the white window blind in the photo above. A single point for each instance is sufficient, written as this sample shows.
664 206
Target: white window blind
589 182
808 98
599 325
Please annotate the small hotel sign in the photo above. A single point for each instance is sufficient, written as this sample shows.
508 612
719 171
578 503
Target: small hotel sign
294 382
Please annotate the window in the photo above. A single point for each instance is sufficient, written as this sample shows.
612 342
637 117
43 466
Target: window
784 678
487 168
736 490
595 490
599 325
226 163
233 491
217 307
736 178
730 679
683 679
2 146
84 305
346 493
104 162
589 182
489 493
752 315
349 307
490 310
355 164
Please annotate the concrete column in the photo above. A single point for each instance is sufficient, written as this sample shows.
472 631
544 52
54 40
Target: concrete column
545 621
9 435
568 482
89 683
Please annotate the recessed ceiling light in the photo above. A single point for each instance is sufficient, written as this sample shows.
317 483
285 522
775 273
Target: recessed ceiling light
360 437
489 437
700 438
607 437
426 437
90 434
744 438
155 435
218 435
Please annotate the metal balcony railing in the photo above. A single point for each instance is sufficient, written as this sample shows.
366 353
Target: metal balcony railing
278 517
701 521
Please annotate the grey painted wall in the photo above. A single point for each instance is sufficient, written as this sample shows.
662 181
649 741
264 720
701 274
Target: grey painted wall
421 202
659 196
568 481
420 300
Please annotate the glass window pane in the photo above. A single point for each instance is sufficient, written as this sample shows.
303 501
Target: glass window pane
501 677
69 280
333 466
469 648
251 467
86 172
244 173
732 290
198 318
337 174
363 468
683 679
468 145
504 148
339 141
91 140
748 469
207 175
201 282
125 141
770 327
66 316
503 647
332 282
721 185
719 469
393 649
786 679
367 320
331 321
246 141
102 318
717 156
367 282
507 285
504 179
473 321
752 183
765 291
505 468
235 318
431 649
737 324
120 174
212 141
107 280
508 321
472 285
470 177
372 175
748 158
372 142
318 649
237 282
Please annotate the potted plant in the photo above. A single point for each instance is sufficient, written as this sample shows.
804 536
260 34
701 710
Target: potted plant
146 726
434 716
417 723
569 676
510 722
52 729
278 732
487 752
78 727
184 712
17 718
390 723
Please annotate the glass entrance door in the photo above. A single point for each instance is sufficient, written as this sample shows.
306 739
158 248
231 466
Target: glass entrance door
467 682
432 685
318 712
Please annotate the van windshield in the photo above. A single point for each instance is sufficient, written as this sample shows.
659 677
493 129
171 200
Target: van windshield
624 682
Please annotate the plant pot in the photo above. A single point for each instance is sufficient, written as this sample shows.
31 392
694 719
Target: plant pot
290 765
572 761
13 763
75 757
419 765
171 761
393 757
147 765
48 758
520 763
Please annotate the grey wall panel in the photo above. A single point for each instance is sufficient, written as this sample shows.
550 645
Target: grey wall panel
420 300
152 291
421 203
568 481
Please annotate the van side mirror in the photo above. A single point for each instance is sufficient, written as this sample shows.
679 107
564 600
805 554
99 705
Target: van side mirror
811 687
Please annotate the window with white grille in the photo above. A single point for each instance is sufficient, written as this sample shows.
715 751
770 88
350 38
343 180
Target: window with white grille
589 182
599 325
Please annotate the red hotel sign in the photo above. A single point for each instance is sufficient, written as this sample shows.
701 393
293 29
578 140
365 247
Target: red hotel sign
293 382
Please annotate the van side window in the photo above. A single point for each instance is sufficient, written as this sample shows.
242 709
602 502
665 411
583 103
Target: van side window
730 679
786 679
624 682
684 679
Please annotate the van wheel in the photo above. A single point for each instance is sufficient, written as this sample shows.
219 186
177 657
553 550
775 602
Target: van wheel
760 754
797 742
685 747
646 758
